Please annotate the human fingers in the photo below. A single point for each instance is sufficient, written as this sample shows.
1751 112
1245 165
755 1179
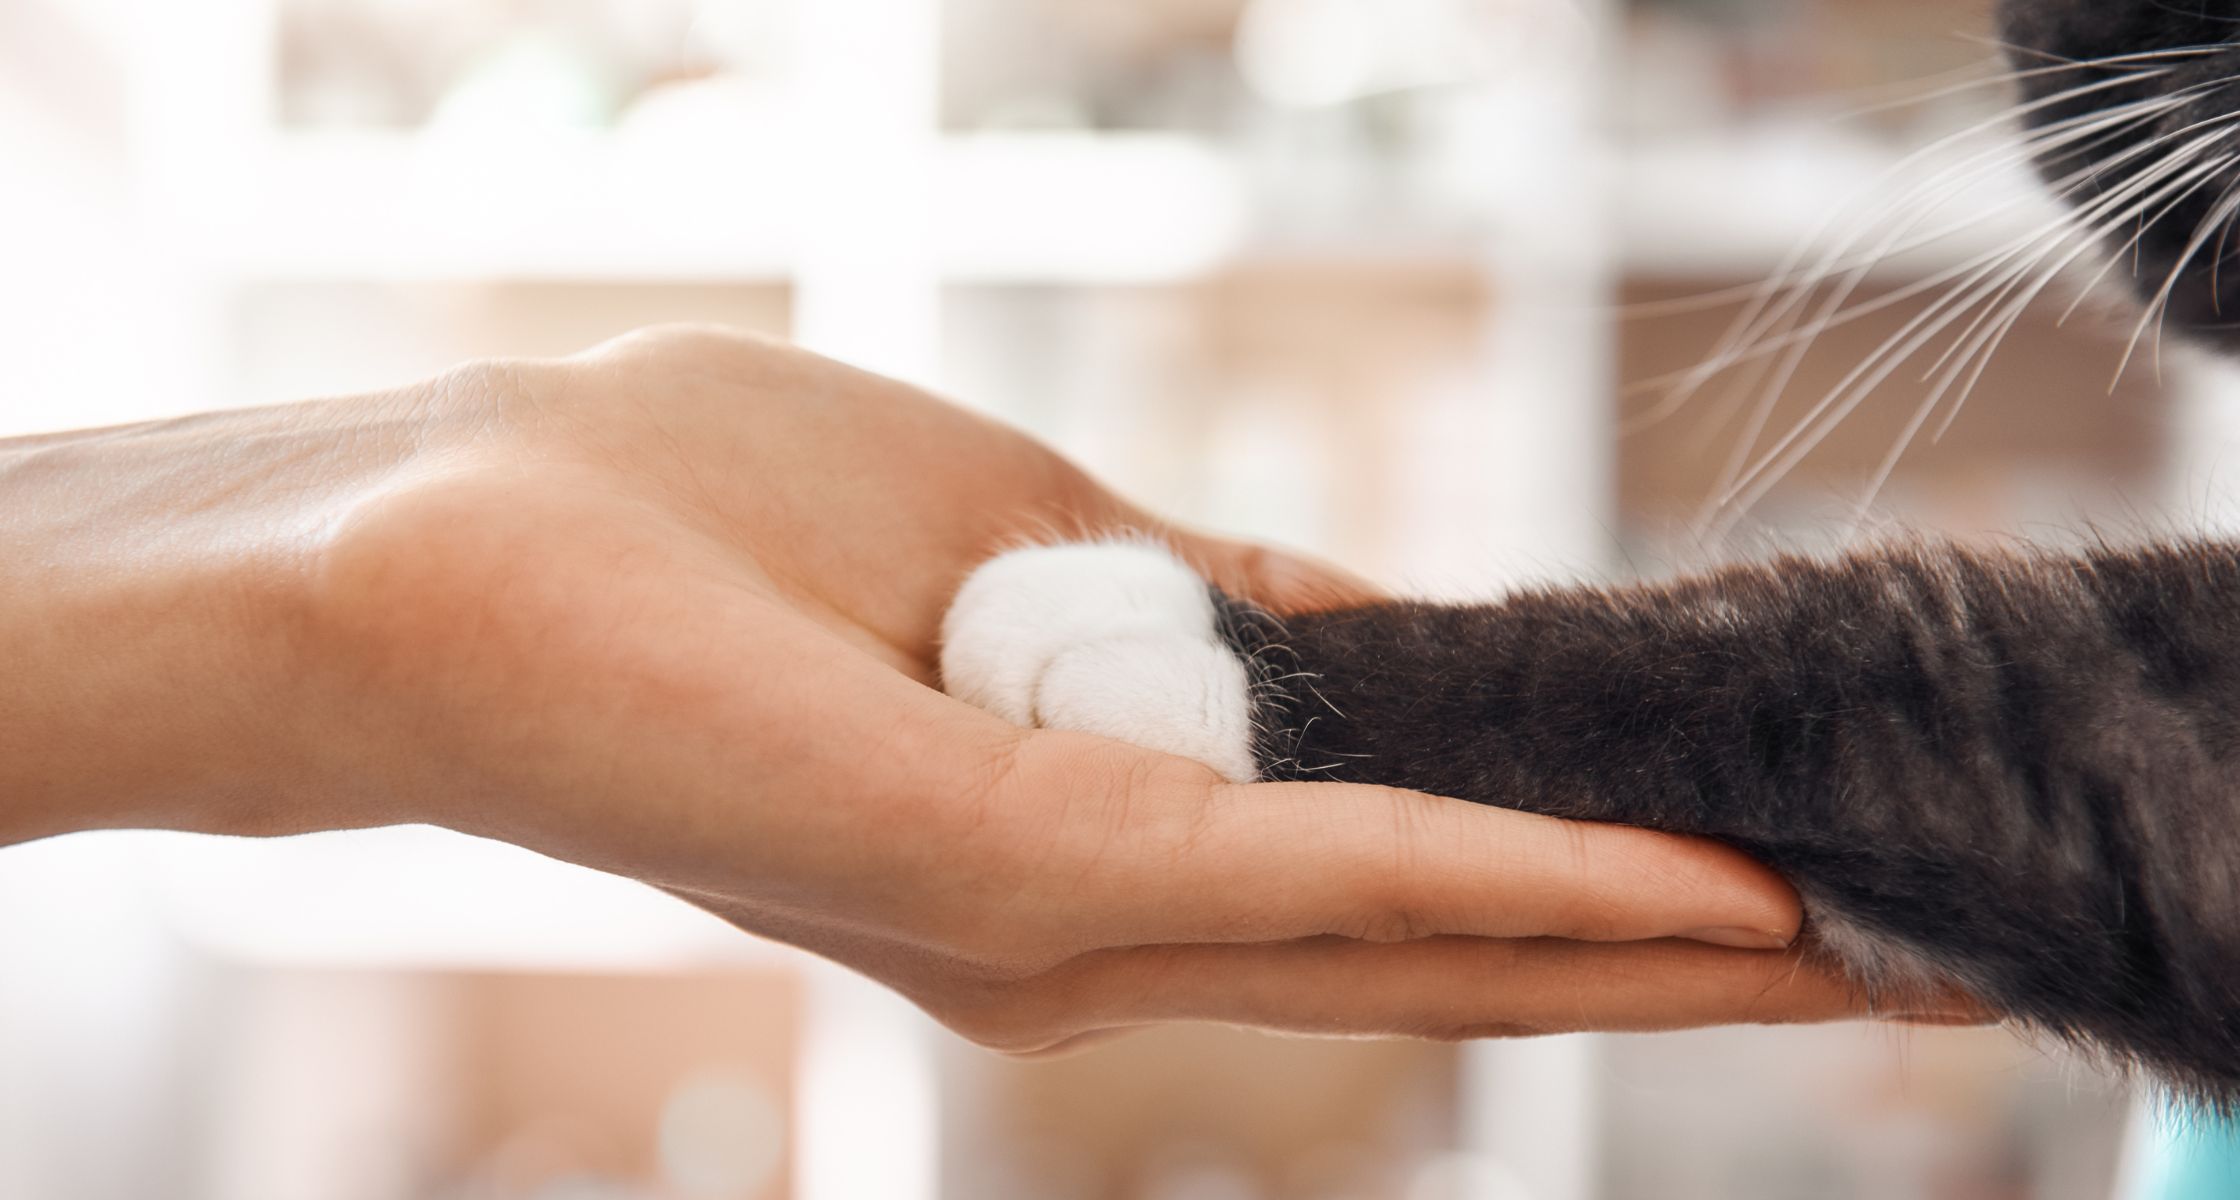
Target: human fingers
1447 989
1182 858
1282 580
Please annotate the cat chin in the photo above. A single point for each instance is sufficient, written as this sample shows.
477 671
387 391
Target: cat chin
1117 639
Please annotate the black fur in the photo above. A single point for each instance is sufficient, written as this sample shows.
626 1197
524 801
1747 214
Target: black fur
2015 773
2081 57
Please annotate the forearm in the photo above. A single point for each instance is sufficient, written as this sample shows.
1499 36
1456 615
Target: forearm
1750 701
152 616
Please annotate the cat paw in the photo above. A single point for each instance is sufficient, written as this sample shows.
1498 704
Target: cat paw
1116 639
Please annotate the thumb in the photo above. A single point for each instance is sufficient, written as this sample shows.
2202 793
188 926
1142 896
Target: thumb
1280 580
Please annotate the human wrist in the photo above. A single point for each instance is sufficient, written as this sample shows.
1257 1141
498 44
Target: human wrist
153 631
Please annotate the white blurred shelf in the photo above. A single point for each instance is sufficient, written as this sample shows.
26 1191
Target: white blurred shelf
1056 208
1035 208
403 208
417 898
1102 208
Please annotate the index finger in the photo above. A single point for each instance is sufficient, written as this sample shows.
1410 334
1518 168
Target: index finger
1206 862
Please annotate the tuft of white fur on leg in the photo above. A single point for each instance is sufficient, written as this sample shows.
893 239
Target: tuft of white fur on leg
1117 639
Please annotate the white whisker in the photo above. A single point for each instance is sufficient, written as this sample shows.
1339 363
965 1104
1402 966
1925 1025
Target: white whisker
1987 282
1746 338
1976 358
1749 324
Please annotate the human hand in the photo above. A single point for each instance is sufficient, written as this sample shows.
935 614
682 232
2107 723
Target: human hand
669 609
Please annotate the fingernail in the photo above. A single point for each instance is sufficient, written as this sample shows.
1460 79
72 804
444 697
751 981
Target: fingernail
1739 938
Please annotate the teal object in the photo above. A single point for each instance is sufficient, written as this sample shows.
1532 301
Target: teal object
2193 1156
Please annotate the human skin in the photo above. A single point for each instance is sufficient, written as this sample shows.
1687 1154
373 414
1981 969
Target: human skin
668 609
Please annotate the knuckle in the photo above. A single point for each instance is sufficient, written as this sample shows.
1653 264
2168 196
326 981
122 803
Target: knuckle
1386 869
997 782
697 366
1011 823
1076 808
1156 800
1386 907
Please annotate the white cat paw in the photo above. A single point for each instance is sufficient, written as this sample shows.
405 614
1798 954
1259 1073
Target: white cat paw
1117 639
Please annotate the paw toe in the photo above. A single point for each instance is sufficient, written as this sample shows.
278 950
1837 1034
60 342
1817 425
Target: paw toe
1115 639
1176 695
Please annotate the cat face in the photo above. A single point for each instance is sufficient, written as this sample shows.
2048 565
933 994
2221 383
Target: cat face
2133 110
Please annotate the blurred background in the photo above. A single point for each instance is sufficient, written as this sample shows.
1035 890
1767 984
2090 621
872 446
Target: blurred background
1463 293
